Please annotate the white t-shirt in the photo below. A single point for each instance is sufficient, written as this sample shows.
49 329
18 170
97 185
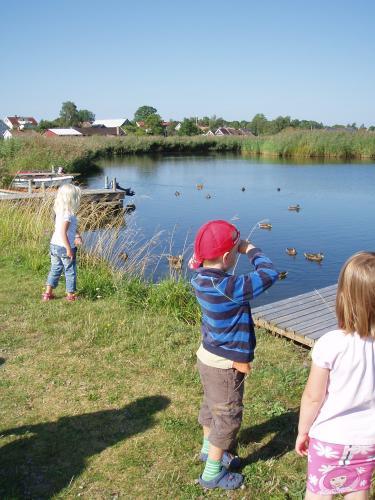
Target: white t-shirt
210 359
71 233
347 415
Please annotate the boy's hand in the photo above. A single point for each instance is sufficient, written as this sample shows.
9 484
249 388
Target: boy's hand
245 246
302 444
242 367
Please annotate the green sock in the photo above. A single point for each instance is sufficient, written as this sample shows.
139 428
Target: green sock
205 445
212 469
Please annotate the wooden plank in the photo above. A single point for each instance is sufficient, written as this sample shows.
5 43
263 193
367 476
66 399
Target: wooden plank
324 292
299 323
328 324
280 331
300 309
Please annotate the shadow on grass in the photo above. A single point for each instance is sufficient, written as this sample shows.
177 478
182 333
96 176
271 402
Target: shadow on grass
47 456
2 361
283 430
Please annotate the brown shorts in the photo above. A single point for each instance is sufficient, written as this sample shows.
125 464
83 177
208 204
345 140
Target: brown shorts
222 407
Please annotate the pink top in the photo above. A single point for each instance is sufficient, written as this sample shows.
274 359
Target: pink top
347 415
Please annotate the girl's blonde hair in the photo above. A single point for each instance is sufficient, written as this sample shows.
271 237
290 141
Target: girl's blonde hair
355 299
67 199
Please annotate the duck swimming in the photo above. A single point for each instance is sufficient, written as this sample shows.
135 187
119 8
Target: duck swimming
316 257
291 251
175 261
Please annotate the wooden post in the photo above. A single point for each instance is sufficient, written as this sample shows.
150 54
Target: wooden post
30 189
43 188
106 182
114 182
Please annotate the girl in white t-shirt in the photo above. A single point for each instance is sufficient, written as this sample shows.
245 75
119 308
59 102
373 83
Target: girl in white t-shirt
64 242
337 419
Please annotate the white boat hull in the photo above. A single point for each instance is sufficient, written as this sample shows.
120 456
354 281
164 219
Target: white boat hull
39 182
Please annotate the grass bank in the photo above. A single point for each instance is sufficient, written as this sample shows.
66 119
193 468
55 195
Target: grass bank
77 154
99 398
81 154
313 144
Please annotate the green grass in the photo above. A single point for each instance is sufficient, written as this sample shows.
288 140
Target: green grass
99 398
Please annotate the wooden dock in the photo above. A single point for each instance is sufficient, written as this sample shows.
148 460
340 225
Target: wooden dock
303 318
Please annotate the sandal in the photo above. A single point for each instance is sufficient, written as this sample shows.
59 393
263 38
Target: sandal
226 480
228 460
47 296
71 298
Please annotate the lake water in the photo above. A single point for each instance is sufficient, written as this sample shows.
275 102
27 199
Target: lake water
336 217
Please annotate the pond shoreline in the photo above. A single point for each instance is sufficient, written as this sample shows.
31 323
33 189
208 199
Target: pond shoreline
82 154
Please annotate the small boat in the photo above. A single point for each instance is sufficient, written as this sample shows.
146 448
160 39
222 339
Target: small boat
175 261
316 257
22 180
283 275
199 187
294 208
291 251
264 225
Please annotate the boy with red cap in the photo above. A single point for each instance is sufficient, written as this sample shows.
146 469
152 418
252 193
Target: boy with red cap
228 341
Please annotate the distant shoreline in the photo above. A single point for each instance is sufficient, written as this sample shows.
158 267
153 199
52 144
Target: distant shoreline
82 154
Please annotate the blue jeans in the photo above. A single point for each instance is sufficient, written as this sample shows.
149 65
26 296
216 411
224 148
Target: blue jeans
61 262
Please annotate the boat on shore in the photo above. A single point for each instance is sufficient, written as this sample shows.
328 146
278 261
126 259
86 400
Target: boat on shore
40 180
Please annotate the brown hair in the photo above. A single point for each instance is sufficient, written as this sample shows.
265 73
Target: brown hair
355 299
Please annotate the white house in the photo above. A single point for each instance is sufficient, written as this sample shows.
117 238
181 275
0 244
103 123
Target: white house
115 122
62 132
20 122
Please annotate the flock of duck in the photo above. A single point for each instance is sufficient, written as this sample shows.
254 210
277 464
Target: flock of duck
176 261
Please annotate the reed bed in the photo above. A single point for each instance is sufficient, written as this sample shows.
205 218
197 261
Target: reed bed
313 144
25 231
79 154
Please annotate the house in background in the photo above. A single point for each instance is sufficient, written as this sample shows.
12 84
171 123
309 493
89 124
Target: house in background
103 131
230 131
13 134
20 122
109 123
3 129
62 132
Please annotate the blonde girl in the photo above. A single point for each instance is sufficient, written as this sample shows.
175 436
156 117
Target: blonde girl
337 419
64 242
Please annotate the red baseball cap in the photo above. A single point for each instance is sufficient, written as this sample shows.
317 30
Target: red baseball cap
213 239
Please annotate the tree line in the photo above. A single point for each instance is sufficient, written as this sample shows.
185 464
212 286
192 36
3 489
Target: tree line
147 121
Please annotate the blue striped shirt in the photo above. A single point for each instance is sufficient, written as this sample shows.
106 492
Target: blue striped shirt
227 325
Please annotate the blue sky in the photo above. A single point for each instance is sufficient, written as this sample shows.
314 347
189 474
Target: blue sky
308 59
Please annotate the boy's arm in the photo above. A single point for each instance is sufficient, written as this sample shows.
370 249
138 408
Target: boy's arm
245 287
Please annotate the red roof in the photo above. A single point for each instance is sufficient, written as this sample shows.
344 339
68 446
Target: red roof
15 120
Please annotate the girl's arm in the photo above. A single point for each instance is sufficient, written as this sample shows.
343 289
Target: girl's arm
311 402
64 236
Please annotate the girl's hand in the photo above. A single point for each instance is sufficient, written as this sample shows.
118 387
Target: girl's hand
302 444
69 253
78 241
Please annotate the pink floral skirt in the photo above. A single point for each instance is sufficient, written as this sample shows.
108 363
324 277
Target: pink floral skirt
336 468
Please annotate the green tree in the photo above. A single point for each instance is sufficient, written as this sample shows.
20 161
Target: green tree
258 124
144 112
46 124
153 124
188 127
69 114
84 115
